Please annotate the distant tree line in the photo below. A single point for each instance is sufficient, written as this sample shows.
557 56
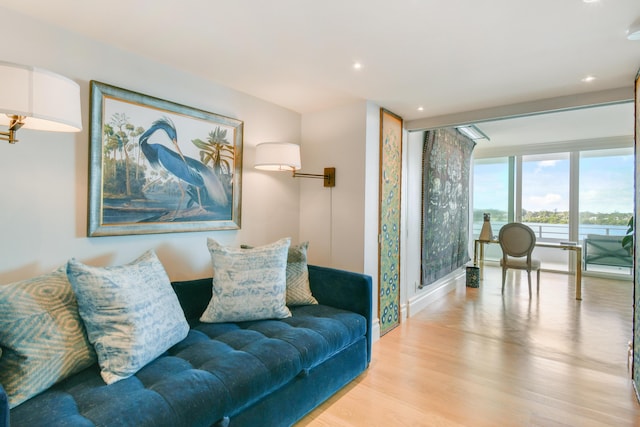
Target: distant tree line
555 217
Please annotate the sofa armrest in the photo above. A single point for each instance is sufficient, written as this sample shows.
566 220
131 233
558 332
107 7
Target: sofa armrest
345 290
4 408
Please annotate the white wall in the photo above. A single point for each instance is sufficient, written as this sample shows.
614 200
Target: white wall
414 298
332 219
413 212
44 177
372 204
342 223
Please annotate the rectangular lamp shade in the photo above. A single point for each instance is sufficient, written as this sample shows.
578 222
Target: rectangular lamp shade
49 101
278 156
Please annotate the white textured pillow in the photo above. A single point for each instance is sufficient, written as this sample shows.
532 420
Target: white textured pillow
42 335
298 289
248 284
131 313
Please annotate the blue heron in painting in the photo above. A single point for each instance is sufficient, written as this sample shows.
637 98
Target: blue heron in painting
203 186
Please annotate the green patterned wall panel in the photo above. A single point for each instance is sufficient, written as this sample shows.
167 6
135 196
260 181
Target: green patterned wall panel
389 223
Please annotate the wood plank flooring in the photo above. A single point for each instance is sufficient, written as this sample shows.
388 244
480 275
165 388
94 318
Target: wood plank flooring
476 358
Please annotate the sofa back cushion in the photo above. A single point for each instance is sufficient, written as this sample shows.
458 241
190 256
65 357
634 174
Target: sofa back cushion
194 296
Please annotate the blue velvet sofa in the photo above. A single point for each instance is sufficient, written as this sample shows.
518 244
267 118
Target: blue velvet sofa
258 373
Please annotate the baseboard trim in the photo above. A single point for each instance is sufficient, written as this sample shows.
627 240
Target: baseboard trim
434 292
375 330
403 312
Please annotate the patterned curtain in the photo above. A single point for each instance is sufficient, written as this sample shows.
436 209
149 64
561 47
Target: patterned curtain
446 162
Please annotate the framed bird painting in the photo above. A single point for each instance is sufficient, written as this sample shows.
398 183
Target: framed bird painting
160 167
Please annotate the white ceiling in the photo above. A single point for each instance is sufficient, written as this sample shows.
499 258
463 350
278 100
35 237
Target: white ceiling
595 123
447 56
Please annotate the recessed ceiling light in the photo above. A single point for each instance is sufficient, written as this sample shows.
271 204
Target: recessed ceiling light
420 108
357 65
590 1
588 79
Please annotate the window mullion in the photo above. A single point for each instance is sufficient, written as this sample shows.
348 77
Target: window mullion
516 191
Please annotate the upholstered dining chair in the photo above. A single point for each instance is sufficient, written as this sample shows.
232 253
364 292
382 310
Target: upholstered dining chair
517 242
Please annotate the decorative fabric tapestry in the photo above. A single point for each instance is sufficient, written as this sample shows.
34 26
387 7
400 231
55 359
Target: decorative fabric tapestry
446 161
389 222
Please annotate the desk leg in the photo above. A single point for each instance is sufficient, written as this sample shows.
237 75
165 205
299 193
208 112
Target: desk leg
578 252
475 252
481 260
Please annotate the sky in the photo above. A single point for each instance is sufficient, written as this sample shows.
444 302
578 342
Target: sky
606 184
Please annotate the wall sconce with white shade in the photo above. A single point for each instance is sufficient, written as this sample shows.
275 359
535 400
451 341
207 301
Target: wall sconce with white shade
33 98
284 156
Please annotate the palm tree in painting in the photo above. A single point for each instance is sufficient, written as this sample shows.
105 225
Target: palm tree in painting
110 146
217 152
119 134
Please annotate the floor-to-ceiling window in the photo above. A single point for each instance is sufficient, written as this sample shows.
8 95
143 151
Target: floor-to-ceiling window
563 195
492 192
606 191
546 195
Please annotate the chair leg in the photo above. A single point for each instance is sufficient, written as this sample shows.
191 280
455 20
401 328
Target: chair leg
529 277
538 271
504 276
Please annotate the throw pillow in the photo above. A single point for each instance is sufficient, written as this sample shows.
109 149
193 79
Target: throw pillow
131 313
248 284
41 334
298 289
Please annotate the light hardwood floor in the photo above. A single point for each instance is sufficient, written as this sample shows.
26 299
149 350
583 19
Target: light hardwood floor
476 358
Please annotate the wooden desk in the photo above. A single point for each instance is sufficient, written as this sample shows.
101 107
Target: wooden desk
478 255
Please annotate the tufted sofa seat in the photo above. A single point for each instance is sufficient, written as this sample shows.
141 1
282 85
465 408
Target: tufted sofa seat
267 372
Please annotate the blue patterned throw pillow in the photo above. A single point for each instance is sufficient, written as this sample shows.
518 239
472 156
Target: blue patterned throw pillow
131 313
41 334
248 284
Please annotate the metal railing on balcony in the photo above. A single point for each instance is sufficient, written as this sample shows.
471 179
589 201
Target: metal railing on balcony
558 232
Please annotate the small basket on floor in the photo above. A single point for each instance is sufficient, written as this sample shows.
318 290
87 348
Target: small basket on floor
473 276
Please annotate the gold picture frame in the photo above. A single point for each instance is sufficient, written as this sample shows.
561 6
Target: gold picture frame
161 167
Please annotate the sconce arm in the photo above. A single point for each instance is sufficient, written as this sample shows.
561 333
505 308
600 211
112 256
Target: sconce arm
329 176
16 123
